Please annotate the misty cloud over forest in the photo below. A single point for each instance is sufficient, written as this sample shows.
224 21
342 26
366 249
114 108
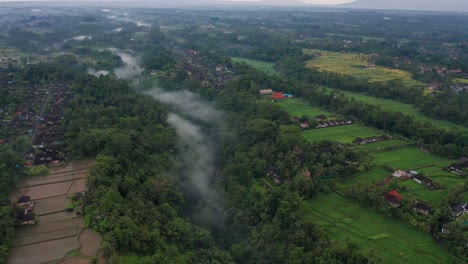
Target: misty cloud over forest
197 150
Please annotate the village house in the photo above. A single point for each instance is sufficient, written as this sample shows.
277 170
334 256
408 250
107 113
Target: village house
459 209
444 229
333 123
26 203
305 125
458 168
402 174
424 181
393 198
27 219
422 208
321 117
266 92
363 141
278 96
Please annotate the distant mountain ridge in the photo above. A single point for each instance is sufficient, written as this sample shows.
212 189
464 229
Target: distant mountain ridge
434 5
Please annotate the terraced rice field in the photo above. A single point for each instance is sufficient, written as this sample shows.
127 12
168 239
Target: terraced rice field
57 232
355 65
343 134
391 239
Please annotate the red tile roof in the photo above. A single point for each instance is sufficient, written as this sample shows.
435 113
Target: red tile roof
278 96
393 196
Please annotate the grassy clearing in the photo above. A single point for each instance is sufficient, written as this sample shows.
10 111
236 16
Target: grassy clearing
344 134
374 175
460 80
383 145
411 158
299 108
406 109
391 239
355 65
259 65
420 192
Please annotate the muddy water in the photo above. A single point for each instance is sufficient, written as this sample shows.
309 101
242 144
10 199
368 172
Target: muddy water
43 252
57 232
90 242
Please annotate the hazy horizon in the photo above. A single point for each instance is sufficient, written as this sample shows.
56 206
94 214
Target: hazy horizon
423 5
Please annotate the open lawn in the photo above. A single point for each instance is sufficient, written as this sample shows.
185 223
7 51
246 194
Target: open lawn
383 145
299 108
355 65
343 134
374 175
406 109
420 192
392 240
411 158
259 65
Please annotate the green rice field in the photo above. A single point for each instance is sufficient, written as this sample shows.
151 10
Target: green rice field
356 65
406 109
392 240
259 65
420 192
411 158
383 145
299 108
343 134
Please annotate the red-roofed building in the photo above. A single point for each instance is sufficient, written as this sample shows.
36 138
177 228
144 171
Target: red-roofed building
393 198
278 96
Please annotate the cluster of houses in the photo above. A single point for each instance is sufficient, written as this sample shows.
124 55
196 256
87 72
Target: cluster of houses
459 88
393 198
439 70
38 115
25 216
458 168
333 123
364 141
275 96
20 118
198 68
417 177
457 210
48 138
320 122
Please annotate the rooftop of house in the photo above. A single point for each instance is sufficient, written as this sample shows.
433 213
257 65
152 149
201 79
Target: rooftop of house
24 199
423 206
460 166
278 95
27 217
459 208
393 196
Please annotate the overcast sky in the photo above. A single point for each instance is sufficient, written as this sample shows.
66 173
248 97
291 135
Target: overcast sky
324 2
